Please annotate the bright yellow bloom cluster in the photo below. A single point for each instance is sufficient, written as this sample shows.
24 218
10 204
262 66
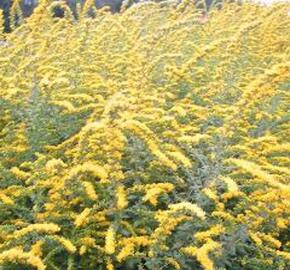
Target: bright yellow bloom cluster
89 167
54 164
213 231
157 137
202 253
110 244
82 218
196 210
67 244
40 228
167 223
173 263
18 256
153 191
36 248
255 170
5 199
129 246
121 198
90 190
147 135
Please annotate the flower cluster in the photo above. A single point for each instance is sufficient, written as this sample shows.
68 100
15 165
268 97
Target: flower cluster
156 138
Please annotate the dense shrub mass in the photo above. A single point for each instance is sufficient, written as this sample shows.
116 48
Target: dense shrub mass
157 138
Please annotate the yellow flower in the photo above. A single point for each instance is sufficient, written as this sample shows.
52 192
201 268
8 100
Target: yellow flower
126 251
82 218
281 223
36 249
193 208
88 241
255 170
167 224
193 139
95 112
48 228
6 199
271 240
178 156
121 198
110 243
66 244
202 253
17 255
224 215
146 134
129 245
110 266
54 164
211 194
154 191
20 174
256 238
231 184
90 190
95 169
213 231
152 195
284 254
173 262
64 104
83 250
191 251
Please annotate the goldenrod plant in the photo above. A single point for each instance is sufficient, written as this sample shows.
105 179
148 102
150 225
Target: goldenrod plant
156 138
1 23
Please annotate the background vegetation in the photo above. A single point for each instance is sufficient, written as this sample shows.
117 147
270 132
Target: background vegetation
27 6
